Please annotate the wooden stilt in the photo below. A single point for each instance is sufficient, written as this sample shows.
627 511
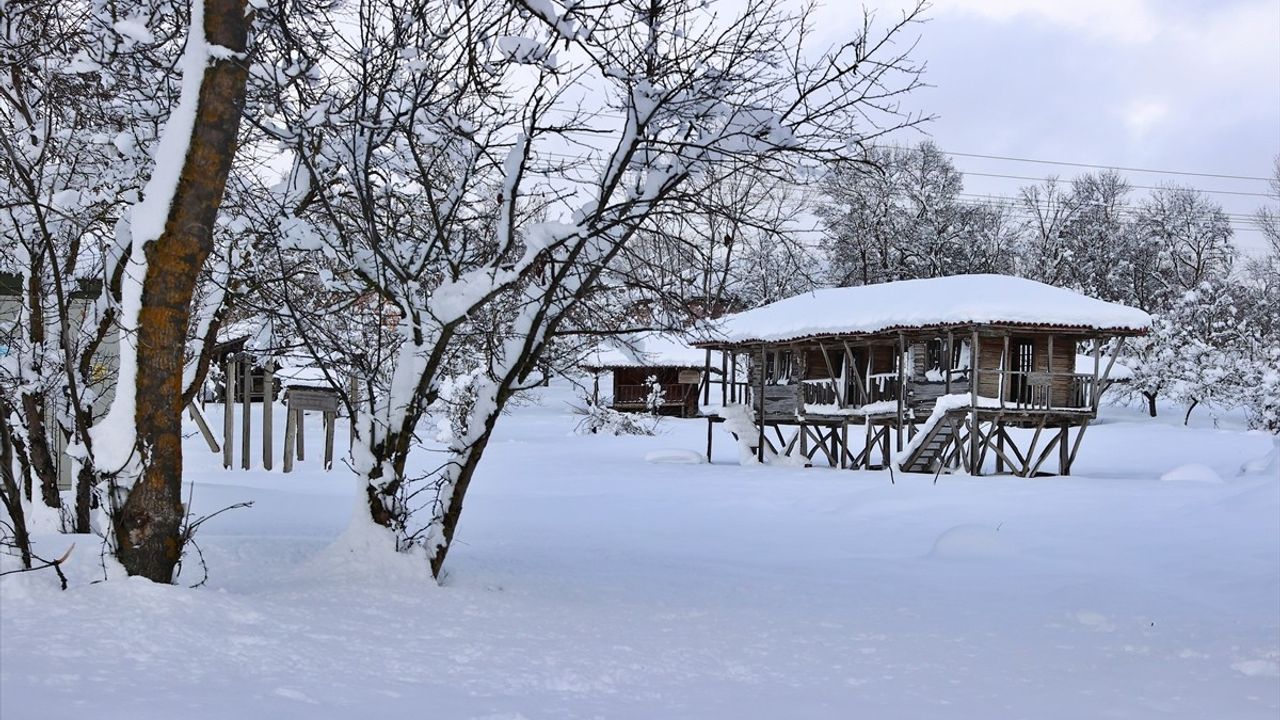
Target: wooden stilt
268 406
290 439
228 414
330 419
760 402
974 469
902 389
246 388
1064 452
301 438
999 433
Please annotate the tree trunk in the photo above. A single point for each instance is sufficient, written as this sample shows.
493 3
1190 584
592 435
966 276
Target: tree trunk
148 527
1186 419
86 480
449 522
11 490
43 464
1151 403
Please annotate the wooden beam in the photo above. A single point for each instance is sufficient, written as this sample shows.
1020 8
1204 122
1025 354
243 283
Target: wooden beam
1075 447
300 439
1035 439
706 380
1004 370
1097 352
862 389
973 401
760 448
1044 455
268 403
902 388
835 381
246 388
330 419
290 438
946 375
228 413
1064 452
198 418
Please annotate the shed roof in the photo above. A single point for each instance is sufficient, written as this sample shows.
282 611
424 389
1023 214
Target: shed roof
956 300
656 350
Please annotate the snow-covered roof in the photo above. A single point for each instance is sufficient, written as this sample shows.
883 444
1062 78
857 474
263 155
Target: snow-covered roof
924 303
654 350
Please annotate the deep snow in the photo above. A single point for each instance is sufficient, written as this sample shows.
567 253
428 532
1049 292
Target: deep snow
591 581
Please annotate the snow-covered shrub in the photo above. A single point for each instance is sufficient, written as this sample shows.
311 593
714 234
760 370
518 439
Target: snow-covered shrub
598 419
657 395
1262 393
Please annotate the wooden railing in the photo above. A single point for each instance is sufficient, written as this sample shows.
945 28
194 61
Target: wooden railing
673 394
1022 390
819 393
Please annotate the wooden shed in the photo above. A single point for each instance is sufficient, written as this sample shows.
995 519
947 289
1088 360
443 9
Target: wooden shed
936 371
637 363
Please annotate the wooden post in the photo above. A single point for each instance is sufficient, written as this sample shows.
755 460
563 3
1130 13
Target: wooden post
709 428
1097 356
290 437
760 447
330 419
268 403
1004 369
595 388
1049 369
973 400
1064 452
902 388
732 383
844 443
246 389
228 413
999 430
949 364
300 438
706 380
724 378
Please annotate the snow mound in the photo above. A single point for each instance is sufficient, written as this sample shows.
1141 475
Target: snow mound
1192 472
1257 668
675 457
1259 465
970 541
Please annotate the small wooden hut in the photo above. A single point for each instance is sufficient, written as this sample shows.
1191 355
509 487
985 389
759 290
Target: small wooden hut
936 371
639 362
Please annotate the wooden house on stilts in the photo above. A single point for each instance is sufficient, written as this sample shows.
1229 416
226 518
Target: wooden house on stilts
965 372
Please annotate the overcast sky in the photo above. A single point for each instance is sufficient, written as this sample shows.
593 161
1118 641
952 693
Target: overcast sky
1184 85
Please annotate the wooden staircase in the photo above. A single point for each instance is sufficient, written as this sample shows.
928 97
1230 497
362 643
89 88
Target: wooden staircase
931 452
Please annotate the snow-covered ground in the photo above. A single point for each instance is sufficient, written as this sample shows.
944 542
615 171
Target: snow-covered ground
590 582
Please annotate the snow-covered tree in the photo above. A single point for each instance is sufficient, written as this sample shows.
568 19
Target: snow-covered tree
1190 237
1194 352
897 213
429 171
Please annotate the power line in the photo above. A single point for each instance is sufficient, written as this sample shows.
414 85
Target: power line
1139 187
1034 161
1107 167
